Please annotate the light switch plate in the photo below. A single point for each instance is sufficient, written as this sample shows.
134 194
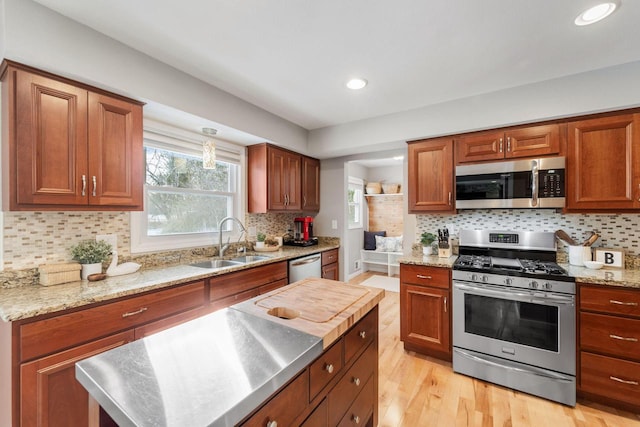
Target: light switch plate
334 224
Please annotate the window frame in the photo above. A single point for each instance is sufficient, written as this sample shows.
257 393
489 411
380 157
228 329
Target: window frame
353 181
186 142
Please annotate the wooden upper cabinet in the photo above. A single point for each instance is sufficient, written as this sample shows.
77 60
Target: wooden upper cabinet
510 143
431 176
274 179
310 184
67 147
603 163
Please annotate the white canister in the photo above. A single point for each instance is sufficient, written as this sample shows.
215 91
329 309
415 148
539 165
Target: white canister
579 254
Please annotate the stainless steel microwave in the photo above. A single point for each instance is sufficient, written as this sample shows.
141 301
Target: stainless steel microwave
531 183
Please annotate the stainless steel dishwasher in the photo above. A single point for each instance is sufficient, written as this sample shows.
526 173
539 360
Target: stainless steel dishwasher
308 266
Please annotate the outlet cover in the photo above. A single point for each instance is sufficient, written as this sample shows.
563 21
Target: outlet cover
251 231
357 266
112 239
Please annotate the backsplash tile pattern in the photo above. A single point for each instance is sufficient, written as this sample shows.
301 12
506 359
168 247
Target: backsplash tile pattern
272 224
620 231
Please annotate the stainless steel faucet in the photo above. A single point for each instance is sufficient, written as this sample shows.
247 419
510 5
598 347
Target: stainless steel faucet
220 224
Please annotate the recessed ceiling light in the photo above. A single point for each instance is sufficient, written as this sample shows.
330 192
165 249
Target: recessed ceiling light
596 13
356 84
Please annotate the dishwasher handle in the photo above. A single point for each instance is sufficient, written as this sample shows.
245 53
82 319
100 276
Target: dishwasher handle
305 261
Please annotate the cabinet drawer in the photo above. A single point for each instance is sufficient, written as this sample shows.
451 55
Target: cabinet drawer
329 257
351 384
241 281
361 335
234 299
610 300
325 368
56 333
362 409
608 334
284 407
319 416
425 276
614 378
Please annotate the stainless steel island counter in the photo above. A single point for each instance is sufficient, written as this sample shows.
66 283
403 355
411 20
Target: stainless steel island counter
212 371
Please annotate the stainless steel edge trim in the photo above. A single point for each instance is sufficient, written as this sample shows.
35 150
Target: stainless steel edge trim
544 163
306 261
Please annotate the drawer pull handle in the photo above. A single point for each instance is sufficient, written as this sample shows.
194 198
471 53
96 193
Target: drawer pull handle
133 313
623 381
93 193
355 419
612 301
84 185
356 381
329 368
272 424
420 276
363 334
618 337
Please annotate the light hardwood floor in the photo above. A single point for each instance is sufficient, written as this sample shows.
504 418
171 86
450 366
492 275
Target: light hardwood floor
416 390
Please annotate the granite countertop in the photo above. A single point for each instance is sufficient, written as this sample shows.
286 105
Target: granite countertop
611 277
30 301
188 375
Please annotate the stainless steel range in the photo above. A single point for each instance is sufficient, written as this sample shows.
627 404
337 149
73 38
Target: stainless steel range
514 313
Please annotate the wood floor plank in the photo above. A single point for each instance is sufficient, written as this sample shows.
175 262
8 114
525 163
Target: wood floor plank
416 390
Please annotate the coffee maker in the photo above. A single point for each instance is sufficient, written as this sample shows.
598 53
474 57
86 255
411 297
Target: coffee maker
303 232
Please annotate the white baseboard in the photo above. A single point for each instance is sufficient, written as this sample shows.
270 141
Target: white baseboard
354 274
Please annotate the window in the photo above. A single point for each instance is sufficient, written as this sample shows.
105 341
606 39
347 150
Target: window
183 201
354 202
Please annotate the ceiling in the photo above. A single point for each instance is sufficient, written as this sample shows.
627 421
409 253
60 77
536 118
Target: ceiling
292 58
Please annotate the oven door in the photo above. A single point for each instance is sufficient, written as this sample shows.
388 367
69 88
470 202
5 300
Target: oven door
532 327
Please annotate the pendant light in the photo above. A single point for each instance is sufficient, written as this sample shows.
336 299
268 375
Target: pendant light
209 149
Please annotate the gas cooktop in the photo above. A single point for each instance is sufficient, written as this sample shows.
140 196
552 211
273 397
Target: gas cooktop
511 267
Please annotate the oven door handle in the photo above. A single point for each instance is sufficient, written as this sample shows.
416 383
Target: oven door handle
503 365
546 299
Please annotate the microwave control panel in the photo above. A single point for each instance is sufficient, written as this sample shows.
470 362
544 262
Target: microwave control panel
551 183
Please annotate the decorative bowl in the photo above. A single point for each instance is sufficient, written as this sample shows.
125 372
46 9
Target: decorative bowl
594 265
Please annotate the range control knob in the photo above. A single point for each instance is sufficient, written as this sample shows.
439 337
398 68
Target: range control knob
533 284
474 277
485 278
548 286
508 281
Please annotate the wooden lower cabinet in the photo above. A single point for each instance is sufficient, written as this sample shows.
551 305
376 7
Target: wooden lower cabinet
425 310
609 345
330 265
340 390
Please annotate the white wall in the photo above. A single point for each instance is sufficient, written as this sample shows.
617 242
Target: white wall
600 90
37 36
354 240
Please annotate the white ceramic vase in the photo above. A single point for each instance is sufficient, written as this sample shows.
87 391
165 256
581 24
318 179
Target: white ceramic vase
427 250
88 269
260 245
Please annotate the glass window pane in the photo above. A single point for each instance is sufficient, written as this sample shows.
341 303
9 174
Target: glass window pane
176 212
168 168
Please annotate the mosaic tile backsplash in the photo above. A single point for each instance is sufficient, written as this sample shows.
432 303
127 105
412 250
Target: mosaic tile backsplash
617 231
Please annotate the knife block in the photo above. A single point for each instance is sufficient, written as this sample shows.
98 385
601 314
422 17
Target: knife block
444 252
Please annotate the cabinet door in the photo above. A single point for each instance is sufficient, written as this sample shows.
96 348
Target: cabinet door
603 163
50 394
330 271
293 173
310 184
424 319
115 152
50 144
277 179
431 176
480 146
532 141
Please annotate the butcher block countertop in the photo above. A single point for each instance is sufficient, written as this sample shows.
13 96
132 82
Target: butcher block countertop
320 307
215 370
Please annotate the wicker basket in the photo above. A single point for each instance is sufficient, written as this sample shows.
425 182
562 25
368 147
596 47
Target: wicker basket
55 274
373 188
390 188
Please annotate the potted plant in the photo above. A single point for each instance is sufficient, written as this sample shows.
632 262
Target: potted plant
90 254
427 240
260 238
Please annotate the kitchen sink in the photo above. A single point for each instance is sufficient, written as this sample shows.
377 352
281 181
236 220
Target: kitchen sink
250 258
217 263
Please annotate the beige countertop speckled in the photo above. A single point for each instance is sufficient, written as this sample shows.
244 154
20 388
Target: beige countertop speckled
611 277
30 301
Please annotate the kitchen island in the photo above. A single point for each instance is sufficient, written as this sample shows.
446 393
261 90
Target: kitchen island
314 356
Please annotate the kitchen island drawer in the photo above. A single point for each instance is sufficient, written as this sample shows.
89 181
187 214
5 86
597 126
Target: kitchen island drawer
425 276
614 378
67 330
361 412
325 368
617 336
351 384
610 300
360 335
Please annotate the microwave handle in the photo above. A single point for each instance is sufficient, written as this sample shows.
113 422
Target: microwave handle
534 183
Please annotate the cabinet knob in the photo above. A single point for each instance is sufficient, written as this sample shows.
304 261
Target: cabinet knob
355 419
356 381
329 368
272 424
363 334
